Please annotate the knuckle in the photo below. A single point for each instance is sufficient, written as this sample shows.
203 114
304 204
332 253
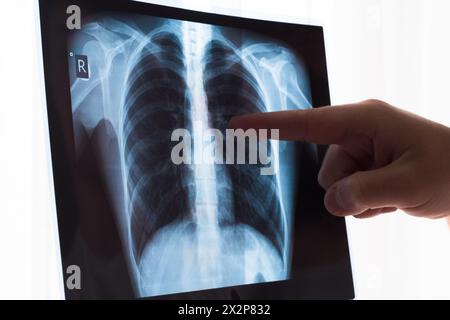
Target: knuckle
376 103
378 111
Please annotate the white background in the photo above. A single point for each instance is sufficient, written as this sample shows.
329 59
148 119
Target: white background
396 50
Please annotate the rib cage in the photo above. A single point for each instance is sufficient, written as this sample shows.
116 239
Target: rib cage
211 214
157 103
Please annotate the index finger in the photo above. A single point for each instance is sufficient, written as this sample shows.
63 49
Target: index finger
327 125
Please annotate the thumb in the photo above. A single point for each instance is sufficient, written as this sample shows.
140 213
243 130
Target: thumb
362 191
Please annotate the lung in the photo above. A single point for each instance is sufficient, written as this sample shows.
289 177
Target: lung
156 103
232 90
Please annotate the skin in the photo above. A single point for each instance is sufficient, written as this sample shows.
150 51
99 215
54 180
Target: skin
380 158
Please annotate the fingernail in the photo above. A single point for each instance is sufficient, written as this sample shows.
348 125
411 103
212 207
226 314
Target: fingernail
338 200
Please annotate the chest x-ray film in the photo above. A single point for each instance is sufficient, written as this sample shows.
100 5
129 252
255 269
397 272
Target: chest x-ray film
165 200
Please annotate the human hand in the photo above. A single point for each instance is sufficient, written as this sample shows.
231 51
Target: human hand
381 158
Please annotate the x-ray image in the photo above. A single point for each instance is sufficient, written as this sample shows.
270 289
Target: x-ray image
135 79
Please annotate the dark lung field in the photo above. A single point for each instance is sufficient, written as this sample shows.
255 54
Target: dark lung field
199 224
